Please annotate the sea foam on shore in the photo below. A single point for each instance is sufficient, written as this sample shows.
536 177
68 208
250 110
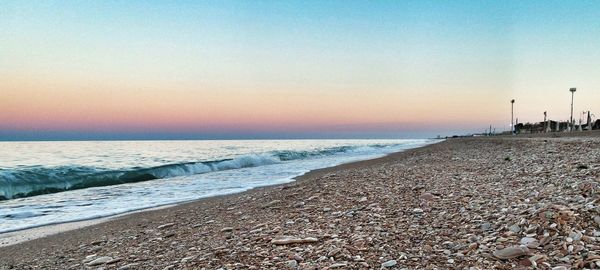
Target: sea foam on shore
55 182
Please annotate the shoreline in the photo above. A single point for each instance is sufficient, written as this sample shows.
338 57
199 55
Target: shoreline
467 203
14 237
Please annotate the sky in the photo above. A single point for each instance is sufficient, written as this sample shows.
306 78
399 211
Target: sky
291 69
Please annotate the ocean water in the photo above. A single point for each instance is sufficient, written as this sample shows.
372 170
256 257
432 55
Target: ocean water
44 183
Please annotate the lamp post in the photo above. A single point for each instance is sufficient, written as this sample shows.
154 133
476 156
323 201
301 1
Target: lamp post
573 89
545 122
512 117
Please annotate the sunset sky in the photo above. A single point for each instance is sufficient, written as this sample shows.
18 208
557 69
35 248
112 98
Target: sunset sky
291 69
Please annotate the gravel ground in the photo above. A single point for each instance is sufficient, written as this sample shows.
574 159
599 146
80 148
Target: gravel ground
475 203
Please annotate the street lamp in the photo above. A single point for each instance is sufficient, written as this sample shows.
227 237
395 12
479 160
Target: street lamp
573 89
545 122
512 117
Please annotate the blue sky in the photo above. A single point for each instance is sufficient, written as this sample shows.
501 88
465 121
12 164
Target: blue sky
216 69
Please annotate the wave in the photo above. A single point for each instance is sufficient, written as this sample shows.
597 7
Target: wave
32 181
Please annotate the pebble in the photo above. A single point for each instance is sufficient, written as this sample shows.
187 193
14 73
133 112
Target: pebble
515 228
338 265
100 260
167 225
227 229
510 252
129 266
427 197
292 264
486 226
389 263
286 240
528 241
272 203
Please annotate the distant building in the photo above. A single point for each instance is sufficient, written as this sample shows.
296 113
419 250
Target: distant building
553 126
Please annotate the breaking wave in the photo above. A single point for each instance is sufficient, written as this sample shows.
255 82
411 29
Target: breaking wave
32 181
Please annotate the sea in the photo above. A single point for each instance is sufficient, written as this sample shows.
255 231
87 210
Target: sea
43 183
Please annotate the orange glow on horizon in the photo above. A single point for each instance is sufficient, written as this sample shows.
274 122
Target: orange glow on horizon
53 104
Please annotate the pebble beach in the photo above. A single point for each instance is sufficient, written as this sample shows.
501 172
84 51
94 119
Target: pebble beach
466 203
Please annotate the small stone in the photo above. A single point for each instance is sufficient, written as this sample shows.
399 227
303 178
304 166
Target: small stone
333 252
285 240
389 263
576 236
530 242
167 225
128 266
511 252
227 229
569 240
597 220
89 258
100 260
292 264
272 203
486 226
525 262
417 211
427 197
515 228
187 259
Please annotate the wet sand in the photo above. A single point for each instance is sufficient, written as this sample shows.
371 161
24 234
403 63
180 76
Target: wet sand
503 202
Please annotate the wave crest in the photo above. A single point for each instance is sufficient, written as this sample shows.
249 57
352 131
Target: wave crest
32 181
